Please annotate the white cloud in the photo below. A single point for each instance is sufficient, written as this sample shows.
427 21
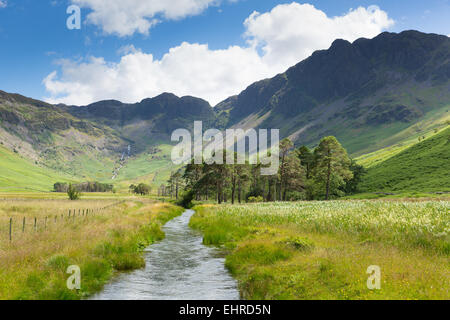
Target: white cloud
125 18
276 40
125 50
189 69
291 32
3 3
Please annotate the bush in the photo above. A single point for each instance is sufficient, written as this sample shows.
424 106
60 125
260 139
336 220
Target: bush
258 199
186 200
141 189
73 193
255 192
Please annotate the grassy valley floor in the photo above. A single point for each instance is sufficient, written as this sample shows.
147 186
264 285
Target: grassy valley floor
322 250
105 236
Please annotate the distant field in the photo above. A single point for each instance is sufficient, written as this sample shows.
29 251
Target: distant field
106 239
321 250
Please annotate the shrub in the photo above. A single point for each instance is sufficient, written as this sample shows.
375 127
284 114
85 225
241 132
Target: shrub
73 193
186 200
258 199
255 192
141 189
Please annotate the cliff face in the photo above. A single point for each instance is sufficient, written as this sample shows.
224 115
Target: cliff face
391 80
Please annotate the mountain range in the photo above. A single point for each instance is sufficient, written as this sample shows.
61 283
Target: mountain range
370 94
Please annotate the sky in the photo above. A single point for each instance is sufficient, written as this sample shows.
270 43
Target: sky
212 49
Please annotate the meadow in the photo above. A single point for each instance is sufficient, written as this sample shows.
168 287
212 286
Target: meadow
104 237
322 250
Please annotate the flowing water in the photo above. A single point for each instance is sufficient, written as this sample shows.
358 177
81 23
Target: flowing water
178 268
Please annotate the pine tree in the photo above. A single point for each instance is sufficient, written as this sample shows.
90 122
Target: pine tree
285 146
306 157
240 175
295 176
192 176
332 167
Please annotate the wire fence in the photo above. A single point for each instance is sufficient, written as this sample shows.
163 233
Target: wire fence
16 227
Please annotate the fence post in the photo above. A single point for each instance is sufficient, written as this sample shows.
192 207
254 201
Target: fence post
69 214
23 225
45 224
35 224
10 229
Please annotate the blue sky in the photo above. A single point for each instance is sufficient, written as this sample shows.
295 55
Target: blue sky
34 40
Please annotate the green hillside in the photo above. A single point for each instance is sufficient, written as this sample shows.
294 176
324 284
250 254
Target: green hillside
18 174
153 167
424 167
406 138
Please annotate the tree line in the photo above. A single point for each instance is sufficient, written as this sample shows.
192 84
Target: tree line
321 174
83 187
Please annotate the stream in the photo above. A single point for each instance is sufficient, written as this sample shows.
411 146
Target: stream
179 267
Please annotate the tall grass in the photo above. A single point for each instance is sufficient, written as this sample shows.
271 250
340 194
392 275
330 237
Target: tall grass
321 250
48 214
33 265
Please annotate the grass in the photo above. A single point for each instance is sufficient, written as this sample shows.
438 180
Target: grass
393 135
19 174
34 264
153 169
321 250
423 167
402 195
374 158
